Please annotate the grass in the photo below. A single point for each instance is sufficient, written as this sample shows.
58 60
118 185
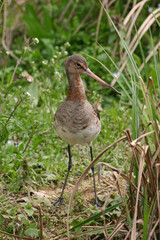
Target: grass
32 155
34 160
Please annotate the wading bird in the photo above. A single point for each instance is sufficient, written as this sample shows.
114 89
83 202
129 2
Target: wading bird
76 121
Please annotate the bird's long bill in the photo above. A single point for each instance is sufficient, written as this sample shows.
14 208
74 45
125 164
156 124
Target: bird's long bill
91 74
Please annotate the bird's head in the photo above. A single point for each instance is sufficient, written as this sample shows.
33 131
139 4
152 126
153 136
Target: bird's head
76 64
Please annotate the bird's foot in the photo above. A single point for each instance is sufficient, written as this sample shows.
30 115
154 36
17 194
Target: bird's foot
58 202
96 203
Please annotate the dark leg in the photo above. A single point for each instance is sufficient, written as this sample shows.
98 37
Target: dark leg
60 200
94 183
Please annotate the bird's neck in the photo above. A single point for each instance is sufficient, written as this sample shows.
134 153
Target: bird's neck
76 91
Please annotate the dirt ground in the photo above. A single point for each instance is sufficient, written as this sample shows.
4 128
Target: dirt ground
55 219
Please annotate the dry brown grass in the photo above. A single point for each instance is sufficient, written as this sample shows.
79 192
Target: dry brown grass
129 23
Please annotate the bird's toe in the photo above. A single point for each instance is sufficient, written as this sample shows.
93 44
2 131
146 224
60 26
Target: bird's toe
58 202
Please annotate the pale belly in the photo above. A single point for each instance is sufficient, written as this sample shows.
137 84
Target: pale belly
77 124
84 136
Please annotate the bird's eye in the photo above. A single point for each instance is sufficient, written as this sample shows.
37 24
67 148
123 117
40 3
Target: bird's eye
78 64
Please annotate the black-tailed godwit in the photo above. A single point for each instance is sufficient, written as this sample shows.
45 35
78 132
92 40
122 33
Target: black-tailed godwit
76 120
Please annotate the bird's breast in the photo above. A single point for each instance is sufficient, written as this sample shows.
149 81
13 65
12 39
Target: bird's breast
77 122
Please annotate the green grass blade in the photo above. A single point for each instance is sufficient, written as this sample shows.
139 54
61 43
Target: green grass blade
94 217
124 44
107 69
156 63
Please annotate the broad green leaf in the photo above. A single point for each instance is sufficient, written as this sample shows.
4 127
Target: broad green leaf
31 232
33 90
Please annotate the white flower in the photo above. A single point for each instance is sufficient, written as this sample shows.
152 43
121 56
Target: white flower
29 79
35 40
28 94
52 60
65 52
45 62
67 44
7 52
25 48
23 74
57 74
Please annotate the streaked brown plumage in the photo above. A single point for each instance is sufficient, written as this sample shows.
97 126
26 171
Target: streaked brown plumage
76 121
